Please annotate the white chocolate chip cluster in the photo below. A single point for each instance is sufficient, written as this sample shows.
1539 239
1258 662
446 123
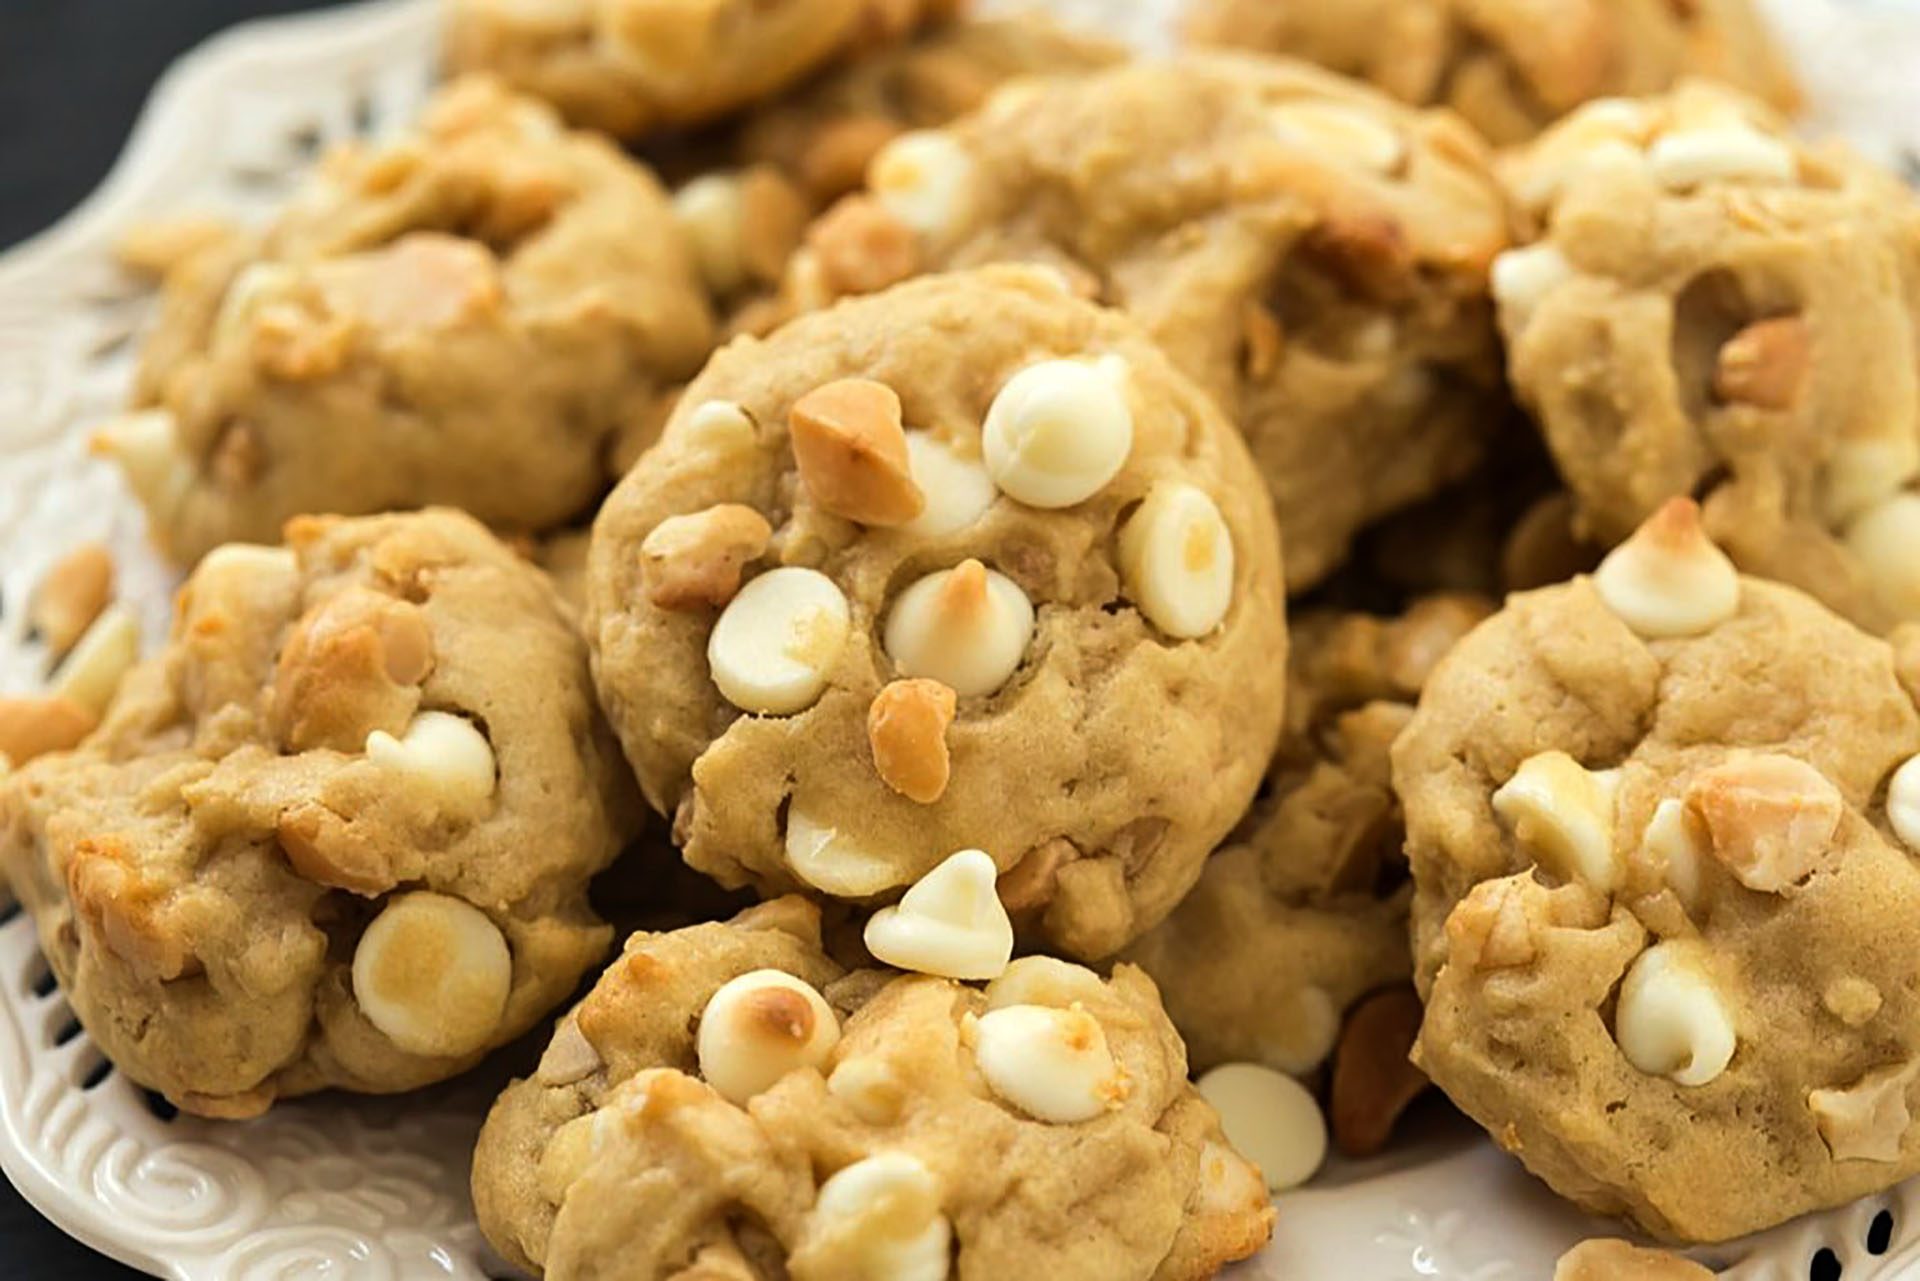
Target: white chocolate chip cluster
874 1124
373 787
880 562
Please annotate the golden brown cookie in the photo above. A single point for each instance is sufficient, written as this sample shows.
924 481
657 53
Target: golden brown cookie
1313 253
338 833
630 67
1510 67
728 1099
1304 911
1663 823
966 564
1714 309
466 316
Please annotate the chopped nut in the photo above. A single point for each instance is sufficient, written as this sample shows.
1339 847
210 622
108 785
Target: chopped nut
326 849
125 906
352 665
852 451
1852 999
570 1057
1265 340
91 674
1373 1082
31 727
72 595
836 157
907 726
1494 926
1868 1120
1764 365
1768 818
692 562
1029 885
1609 1260
773 216
862 248
157 247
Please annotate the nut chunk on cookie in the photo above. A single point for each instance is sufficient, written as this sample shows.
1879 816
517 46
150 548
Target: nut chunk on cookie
465 315
633 66
338 833
1665 906
1510 66
1715 309
1014 587
1313 253
728 1098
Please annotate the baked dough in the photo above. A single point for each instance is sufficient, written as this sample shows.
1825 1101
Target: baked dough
1662 822
1510 66
1085 680
463 316
727 1102
338 832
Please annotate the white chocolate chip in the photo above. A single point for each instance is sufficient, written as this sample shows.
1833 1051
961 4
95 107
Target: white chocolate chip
759 1027
1903 803
1522 279
249 560
433 974
1671 1019
966 627
1050 1063
146 445
1596 159
926 180
775 646
957 489
1886 538
1670 838
951 923
1044 980
720 427
1058 432
710 213
1669 579
1269 1118
831 860
445 756
1861 474
870 1088
90 674
1340 131
1690 157
1176 557
882 1217
1562 813
255 285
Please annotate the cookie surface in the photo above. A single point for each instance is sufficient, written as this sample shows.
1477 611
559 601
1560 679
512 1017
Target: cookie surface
463 316
1313 253
1304 911
916 575
727 1096
630 67
1662 823
1716 310
1510 66
339 832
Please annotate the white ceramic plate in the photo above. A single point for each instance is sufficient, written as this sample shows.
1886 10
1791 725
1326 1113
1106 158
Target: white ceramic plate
375 1190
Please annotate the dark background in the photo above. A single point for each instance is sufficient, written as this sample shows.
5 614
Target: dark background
73 74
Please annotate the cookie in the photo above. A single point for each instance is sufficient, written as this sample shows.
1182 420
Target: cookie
824 135
338 832
1304 911
1662 822
1714 309
464 316
728 1101
1612 1260
963 565
631 67
1511 67
1314 254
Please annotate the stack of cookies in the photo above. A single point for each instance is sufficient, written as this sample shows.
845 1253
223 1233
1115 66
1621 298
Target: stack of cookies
884 444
